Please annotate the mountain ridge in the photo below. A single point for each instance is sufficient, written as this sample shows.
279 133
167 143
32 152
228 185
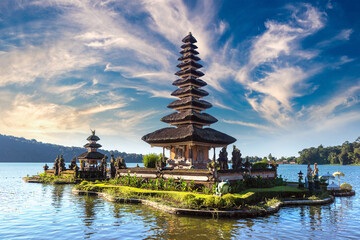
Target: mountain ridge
19 149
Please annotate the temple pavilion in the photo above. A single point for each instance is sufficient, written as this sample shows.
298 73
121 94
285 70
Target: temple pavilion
90 158
189 141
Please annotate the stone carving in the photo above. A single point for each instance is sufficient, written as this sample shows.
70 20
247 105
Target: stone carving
46 167
223 159
56 166
112 166
120 163
103 166
236 159
72 163
247 163
62 166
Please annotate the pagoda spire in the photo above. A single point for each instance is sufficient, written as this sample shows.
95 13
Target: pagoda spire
190 91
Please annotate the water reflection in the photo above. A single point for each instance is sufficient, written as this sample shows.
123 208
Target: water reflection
57 196
31 211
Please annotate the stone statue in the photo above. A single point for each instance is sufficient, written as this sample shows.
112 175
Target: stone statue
112 167
56 166
120 163
223 159
247 163
309 172
62 166
46 167
316 171
103 166
123 163
236 159
72 163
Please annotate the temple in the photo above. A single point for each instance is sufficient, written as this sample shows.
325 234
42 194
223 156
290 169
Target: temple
89 160
189 141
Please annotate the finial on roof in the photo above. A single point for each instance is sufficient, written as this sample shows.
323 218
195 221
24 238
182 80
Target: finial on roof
93 132
189 33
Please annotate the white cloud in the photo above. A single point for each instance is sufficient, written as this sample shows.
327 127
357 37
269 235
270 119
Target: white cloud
269 77
25 65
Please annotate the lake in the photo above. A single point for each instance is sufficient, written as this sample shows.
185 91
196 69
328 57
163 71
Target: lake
39 211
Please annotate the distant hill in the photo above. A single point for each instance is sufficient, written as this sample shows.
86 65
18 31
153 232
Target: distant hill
14 149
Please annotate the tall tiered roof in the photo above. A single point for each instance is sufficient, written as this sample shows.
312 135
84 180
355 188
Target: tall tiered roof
92 147
189 120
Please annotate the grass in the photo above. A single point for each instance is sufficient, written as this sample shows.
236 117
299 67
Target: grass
258 197
189 200
44 178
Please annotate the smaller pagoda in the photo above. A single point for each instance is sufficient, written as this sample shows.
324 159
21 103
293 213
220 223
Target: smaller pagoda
89 160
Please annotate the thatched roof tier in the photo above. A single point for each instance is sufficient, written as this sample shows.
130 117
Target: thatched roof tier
188 91
189 50
189 45
91 155
189 57
189 39
191 64
189 115
189 71
188 133
190 102
93 138
189 80
92 145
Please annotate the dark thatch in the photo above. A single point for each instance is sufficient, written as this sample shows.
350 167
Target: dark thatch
189 45
189 115
93 138
192 51
91 155
191 64
190 79
189 71
190 101
189 57
189 90
189 39
188 133
92 145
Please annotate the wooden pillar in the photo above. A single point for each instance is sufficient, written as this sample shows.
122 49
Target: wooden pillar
190 154
214 155
163 155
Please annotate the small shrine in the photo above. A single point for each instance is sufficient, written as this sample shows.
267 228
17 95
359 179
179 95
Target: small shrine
189 141
89 160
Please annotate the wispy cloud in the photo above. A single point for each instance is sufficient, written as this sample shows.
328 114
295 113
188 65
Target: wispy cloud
271 79
246 124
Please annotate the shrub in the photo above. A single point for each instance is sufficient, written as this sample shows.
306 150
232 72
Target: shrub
209 202
260 165
149 160
229 201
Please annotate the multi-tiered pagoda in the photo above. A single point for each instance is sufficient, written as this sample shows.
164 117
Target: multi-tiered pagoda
92 156
189 142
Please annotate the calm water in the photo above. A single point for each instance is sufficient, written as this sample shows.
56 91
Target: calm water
37 211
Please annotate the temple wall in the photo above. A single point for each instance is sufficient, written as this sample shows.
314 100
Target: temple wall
65 173
200 176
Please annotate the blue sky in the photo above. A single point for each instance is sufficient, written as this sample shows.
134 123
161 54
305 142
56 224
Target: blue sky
282 75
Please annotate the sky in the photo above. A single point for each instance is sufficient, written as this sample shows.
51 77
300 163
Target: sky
282 75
